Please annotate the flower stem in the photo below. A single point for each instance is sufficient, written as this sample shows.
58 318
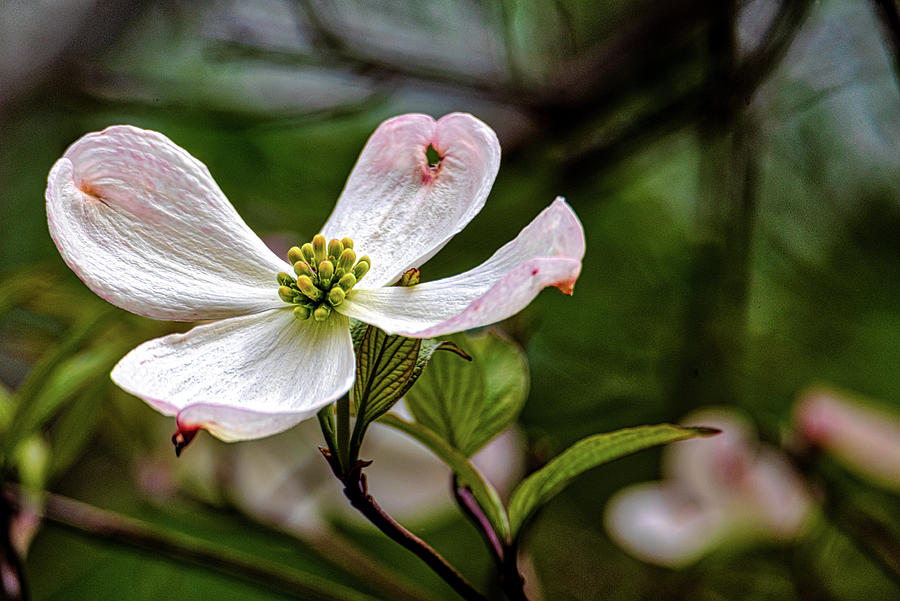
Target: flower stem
504 554
343 432
469 506
110 526
356 491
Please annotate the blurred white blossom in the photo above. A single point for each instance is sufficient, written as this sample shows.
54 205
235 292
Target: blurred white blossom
725 488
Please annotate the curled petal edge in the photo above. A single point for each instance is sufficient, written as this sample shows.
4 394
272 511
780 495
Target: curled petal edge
547 252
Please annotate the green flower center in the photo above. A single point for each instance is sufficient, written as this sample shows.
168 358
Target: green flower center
326 273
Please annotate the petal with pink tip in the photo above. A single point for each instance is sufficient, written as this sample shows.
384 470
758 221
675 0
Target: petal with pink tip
244 377
144 225
399 210
547 252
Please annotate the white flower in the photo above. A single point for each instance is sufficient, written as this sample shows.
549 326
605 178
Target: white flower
144 225
726 487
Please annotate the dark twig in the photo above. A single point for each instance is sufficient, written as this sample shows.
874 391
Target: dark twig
333 44
110 526
13 586
730 91
866 532
356 491
872 537
510 579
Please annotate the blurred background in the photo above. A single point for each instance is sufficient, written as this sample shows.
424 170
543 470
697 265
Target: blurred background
735 166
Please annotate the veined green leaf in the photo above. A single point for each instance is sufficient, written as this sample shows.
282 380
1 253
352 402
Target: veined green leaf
536 490
469 404
449 400
383 365
484 493
386 368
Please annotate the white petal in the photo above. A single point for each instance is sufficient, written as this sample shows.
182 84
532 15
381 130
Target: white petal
244 377
659 524
398 210
145 226
754 484
547 252
713 468
772 500
283 479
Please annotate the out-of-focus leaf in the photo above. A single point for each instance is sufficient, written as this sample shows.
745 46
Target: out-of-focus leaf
32 460
179 565
63 384
75 427
536 490
18 287
469 404
6 408
484 493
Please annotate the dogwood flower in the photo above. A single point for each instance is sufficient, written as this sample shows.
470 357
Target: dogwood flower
144 225
725 488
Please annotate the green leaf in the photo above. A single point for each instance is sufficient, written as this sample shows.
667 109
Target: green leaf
32 404
449 400
384 364
484 493
64 383
6 408
536 490
76 425
426 351
469 404
115 551
19 287
32 460
386 368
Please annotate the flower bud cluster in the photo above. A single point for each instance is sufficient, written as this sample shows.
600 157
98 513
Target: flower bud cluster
326 273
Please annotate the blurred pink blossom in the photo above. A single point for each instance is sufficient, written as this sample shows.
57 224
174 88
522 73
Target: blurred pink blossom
864 438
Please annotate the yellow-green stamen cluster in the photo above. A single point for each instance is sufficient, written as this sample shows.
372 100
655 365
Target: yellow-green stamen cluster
326 273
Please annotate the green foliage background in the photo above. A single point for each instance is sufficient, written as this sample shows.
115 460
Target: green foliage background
738 187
